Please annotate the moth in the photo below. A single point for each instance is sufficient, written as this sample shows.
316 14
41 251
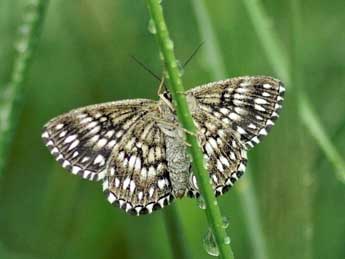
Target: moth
136 148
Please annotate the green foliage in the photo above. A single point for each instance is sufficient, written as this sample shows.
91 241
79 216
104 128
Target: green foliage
83 58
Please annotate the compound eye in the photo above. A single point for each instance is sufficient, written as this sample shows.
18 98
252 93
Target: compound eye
167 96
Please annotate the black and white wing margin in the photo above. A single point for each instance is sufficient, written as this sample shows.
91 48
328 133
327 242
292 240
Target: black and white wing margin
225 155
138 180
249 104
82 140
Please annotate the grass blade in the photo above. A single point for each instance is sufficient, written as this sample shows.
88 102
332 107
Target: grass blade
10 98
174 229
177 90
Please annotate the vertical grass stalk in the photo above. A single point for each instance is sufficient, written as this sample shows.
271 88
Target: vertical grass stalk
246 194
278 60
252 218
174 228
10 96
177 90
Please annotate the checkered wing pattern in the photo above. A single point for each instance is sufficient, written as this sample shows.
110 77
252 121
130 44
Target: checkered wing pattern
249 105
83 139
232 116
225 155
119 143
139 180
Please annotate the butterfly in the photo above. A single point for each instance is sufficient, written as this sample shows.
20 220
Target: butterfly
136 148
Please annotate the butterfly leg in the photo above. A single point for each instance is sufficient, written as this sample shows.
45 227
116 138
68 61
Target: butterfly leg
160 88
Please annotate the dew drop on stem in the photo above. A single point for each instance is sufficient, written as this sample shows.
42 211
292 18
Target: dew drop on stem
201 203
152 27
180 68
210 244
225 222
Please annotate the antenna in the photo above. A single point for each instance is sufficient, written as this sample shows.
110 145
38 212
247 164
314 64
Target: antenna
154 74
146 68
193 54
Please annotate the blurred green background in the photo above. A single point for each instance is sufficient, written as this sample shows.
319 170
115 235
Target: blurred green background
84 57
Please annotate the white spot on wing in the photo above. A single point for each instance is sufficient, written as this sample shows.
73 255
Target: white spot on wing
260 101
85 159
132 186
73 145
75 169
258 117
99 160
225 111
110 133
251 126
234 116
224 161
241 130
63 133
86 120
91 125
263 132
101 143
69 139
117 182
59 126
111 197
161 184
45 135
65 164
220 166
151 191
126 183
259 108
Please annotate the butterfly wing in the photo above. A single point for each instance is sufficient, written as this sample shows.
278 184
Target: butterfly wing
224 154
138 180
249 105
82 140
232 116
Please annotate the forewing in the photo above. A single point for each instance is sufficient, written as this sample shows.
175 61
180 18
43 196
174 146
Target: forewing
224 154
82 140
138 180
248 105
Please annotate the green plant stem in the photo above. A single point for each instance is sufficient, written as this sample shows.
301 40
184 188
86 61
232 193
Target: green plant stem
10 97
252 217
174 229
177 90
278 60
246 194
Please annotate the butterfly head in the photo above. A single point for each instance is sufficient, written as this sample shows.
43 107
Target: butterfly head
167 96
166 100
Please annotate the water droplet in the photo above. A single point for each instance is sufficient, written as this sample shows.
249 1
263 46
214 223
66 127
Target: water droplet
225 221
210 244
24 29
201 203
170 44
21 46
161 56
152 27
227 240
180 68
